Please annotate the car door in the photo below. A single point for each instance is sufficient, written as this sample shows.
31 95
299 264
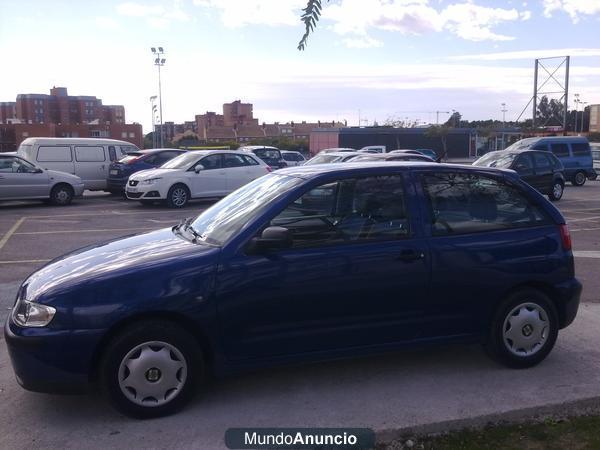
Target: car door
486 236
544 172
523 165
20 179
211 181
91 165
356 274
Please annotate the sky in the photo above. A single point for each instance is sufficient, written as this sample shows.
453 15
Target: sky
368 60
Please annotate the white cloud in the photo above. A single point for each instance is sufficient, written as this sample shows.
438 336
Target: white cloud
156 15
474 23
237 13
529 54
362 42
106 22
574 8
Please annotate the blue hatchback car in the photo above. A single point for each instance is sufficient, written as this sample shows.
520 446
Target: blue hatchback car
307 263
120 171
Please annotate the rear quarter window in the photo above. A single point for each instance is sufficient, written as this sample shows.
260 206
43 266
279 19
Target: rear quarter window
581 149
54 154
462 203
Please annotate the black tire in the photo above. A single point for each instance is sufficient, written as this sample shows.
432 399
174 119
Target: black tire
539 303
61 195
178 196
149 336
556 193
579 179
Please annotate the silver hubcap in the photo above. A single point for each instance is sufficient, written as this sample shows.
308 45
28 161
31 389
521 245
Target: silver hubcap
557 191
152 373
579 178
526 329
179 197
62 196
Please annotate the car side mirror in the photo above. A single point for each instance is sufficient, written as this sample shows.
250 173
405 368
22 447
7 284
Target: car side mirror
38 170
271 238
198 168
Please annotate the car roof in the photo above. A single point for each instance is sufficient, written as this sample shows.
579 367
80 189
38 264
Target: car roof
148 151
341 153
517 151
363 168
257 147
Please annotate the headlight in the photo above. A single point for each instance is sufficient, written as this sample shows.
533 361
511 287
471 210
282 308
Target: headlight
150 181
30 314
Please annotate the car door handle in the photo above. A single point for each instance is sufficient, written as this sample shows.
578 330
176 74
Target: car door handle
410 256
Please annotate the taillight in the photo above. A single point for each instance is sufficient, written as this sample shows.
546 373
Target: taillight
565 236
132 161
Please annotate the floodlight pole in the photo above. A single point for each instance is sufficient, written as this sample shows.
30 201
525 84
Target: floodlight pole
535 93
568 58
158 62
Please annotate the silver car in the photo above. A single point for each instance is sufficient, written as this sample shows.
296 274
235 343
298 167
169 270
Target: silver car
22 180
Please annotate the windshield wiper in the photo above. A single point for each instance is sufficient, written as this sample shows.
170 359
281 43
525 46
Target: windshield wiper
186 225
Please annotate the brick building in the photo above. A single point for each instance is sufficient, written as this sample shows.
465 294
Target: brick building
62 115
594 118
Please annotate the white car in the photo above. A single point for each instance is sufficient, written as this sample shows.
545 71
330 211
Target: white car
196 174
293 158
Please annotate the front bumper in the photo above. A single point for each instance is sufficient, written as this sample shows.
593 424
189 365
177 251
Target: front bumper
116 184
78 189
144 192
51 361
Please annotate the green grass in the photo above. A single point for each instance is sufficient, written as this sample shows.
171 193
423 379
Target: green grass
567 434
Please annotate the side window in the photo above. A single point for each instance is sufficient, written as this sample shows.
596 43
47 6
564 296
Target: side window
560 150
250 161
523 163
541 161
232 160
470 203
211 162
112 153
581 149
89 154
54 154
15 165
353 210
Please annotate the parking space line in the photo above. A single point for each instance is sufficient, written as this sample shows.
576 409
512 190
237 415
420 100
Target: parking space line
10 232
26 261
582 219
587 254
585 229
103 213
102 230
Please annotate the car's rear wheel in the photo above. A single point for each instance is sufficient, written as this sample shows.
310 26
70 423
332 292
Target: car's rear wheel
557 191
61 195
151 369
523 330
178 196
579 179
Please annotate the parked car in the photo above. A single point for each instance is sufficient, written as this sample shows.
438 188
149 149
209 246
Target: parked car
22 180
198 174
88 158
120 171
429 152
338 150
333 157
392 157
407 150
573 151
293 158
270 155
400 254
595 146
374 149
540 169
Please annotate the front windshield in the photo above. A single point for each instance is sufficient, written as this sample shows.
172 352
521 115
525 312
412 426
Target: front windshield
183 161
323 159
219 223
496 159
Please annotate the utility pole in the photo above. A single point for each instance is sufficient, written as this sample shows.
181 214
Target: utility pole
159 61
153 106
576 101
503 121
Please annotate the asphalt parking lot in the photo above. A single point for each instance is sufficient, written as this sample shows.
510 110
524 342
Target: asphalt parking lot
386 393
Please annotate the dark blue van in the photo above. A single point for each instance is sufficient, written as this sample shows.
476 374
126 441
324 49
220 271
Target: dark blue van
573 151
306 263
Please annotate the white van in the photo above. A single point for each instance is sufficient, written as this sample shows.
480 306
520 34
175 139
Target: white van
88 158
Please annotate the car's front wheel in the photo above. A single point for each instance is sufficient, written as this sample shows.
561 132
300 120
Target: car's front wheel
151 369
178 196
557 191
523 330
61 195
579 179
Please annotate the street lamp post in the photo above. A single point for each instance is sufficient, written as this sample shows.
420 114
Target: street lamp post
159 61
153 106
503 121
576 110
582 114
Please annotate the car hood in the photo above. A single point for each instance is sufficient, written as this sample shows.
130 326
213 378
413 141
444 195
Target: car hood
57 175
142 257
152 173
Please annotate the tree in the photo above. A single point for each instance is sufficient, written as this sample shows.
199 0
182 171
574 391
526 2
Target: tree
549 112
440 132
310 16
454 120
